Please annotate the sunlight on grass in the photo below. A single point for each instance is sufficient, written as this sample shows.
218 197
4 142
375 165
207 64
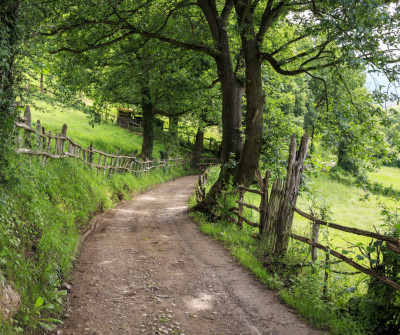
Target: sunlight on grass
105 137
388 176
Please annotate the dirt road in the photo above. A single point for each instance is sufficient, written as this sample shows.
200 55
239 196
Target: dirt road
147 269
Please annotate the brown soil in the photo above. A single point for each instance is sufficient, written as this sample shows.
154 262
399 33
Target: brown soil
146 269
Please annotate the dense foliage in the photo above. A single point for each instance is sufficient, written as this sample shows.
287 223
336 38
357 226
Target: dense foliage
10 34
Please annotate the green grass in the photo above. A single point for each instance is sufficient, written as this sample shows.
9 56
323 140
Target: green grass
105 137
387 176
350 205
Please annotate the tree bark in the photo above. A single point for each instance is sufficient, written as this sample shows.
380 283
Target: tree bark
232 95
249 162
292 185
232 90
148 123
198 146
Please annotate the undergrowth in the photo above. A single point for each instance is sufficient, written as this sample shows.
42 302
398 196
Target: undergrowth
43 210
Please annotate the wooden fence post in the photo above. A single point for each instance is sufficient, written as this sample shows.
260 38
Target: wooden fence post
105 164
62 141
28 122
326 276
90 154
294 172
240 209
264 201
44 139
315 235
38 137
56 146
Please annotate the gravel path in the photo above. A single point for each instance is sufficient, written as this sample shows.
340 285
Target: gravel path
147 269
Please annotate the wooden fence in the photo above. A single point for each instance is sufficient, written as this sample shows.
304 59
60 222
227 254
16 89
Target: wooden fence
35 141
276 211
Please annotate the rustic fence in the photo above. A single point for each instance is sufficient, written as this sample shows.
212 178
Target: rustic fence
36 141
276 210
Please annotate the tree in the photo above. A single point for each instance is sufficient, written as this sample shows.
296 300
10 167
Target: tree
349 122
291 37
139 75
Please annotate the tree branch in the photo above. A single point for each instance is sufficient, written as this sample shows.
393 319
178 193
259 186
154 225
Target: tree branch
93 46
277 67
226 11
269 16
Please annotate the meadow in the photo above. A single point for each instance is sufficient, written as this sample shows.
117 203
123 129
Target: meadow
388 176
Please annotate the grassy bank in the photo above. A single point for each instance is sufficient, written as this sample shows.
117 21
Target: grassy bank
44 208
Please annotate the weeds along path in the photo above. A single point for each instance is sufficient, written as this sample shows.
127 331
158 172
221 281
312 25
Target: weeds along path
147 269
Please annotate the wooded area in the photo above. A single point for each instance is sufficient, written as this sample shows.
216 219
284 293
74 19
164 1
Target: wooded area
260 73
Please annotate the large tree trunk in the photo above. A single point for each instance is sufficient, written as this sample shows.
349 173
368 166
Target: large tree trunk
10 37
148 124
232 94
198 146
232 91
255 99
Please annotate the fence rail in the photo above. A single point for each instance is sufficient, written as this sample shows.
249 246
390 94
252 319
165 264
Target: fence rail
36 142
270 211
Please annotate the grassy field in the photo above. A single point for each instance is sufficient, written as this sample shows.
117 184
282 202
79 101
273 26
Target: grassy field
105 137
388 176
348 206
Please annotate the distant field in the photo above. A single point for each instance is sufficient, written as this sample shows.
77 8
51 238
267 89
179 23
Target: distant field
388 176
104 136
349 208
348 205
